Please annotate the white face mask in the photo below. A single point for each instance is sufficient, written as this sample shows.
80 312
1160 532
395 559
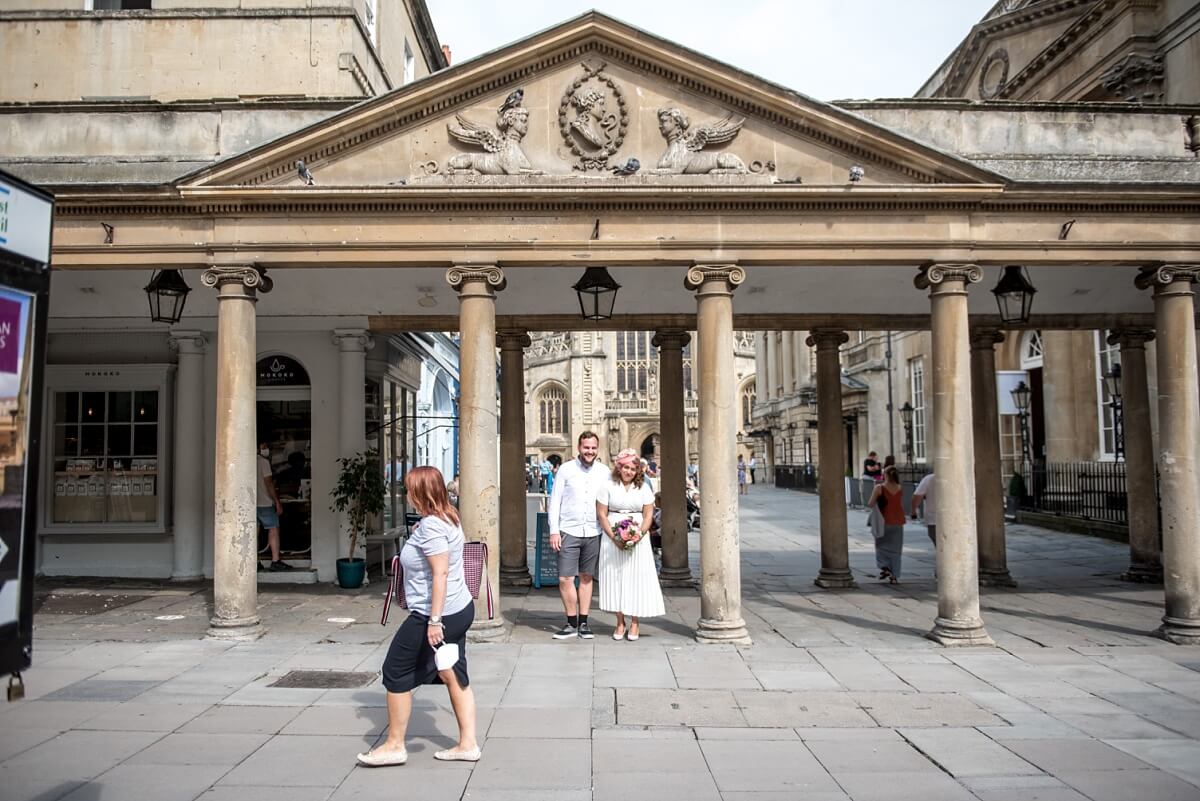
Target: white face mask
264 452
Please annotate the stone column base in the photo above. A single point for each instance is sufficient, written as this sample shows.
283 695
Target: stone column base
722 631
676 577
1143 574
832 579
1179 631
181 579
515 577
996 577
241 628
486 630
959 632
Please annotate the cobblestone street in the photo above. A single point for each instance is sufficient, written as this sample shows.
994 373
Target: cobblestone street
840 697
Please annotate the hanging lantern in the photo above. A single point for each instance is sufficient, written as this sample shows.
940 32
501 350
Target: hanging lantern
597 293
1112 382
167 292
1014 295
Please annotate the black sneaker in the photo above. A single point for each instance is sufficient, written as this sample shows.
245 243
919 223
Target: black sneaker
565 633
277 567
260 567
585 633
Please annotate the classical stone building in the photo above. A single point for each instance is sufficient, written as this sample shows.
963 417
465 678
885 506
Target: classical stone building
471 201
609 382
1092 59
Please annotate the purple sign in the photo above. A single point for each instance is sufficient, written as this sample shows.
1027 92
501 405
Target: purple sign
10 335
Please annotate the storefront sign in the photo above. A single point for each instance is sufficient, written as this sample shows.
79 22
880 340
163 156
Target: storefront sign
10 339
24 223
281 371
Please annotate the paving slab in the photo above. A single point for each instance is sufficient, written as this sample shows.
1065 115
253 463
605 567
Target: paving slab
407 783
537 765
242 719
674 755
1124 785
161 783
1061 755
552 722
298 760
618 782
655 707
965 753
774 766
921 786
1180 758
872 756
800 709
896 710
361 720
137 716
200 749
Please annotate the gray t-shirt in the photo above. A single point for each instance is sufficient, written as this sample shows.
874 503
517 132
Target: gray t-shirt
433 536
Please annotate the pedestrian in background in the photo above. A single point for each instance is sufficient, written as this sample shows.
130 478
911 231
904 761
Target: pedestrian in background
888 498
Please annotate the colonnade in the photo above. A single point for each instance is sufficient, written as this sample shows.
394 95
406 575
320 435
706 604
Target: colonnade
970 525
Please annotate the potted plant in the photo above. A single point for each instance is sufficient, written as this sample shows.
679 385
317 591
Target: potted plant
359 492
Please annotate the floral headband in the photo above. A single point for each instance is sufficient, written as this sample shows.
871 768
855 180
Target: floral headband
627 457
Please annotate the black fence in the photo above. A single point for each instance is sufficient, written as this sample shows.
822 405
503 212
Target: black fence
801 477
1081 490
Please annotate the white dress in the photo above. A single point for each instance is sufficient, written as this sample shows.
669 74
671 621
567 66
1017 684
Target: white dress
628 580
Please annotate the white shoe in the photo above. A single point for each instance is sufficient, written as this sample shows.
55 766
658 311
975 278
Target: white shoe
382 759
450 755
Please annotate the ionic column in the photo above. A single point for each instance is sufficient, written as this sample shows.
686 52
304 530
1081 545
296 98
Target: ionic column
352 345
673 441
478 495
235 522
789 364
1141 490
514 563
720 552
831 460
772 365
188 500
800 350
1178 432
989 490
958 621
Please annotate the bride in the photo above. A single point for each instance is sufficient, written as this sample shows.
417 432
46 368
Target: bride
628 581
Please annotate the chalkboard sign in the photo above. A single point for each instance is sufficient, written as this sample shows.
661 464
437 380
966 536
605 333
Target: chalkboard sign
545 560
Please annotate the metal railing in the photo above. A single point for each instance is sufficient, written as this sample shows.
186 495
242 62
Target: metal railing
801 477
1082 490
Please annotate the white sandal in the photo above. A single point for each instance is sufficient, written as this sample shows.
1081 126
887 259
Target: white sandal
450 755
382 760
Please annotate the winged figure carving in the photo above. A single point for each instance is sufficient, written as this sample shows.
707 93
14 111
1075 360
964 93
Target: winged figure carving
685 153
501 145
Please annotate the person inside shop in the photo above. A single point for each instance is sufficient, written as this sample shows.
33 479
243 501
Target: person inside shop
269 507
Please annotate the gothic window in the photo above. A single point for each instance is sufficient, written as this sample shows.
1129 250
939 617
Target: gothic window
916 376
552 411
748 398
633 360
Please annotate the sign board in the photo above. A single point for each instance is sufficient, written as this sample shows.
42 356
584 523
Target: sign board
545 560
26 215
1006 382
24 221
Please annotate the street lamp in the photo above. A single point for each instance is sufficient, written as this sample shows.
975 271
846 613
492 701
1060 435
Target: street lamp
906 417
1021 395
167 292
1014 295
597 293
1112 382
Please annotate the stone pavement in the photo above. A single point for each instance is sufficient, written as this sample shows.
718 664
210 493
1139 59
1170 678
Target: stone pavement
840 697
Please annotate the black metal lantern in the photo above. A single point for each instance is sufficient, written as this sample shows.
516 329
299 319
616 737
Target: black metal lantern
597 293
167 292
906 414
1021 394
1014 294
1112 382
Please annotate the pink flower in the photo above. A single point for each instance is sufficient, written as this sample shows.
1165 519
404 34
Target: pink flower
627 534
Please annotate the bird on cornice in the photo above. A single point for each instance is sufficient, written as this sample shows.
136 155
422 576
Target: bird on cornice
304 174
513 100
628 168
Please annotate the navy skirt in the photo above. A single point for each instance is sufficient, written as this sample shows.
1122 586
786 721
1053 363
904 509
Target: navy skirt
409 662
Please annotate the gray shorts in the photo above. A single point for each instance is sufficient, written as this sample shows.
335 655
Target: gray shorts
579 556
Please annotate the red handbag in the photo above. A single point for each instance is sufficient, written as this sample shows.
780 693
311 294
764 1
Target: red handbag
475 572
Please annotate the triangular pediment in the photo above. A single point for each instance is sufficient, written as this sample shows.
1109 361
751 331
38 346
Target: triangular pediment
577 101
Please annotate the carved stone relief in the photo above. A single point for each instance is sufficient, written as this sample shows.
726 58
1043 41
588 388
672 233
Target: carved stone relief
593 117
1137 78
685 146
502 145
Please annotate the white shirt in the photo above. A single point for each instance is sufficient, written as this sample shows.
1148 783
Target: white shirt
625 501
573 501
928 488
264 472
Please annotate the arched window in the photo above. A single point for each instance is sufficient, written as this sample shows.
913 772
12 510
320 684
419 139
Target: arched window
552 411
748 398
1031 350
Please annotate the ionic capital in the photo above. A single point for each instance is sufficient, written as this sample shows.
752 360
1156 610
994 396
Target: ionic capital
250 276
671 339
490 276
933 275
512 340
730 275
353 340
1131 338
1162 276
985 338
824 338
187 342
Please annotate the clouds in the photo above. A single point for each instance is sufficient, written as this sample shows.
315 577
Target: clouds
829 49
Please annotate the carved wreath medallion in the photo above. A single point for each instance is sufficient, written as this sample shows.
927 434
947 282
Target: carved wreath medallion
593 118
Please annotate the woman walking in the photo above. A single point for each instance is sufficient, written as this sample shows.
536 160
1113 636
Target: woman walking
743 488
888 497
628 580
440 612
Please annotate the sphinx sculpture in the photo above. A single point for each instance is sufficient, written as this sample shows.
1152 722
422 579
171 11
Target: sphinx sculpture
502 145
685 152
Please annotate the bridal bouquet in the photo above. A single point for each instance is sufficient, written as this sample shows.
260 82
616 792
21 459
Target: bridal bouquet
626 534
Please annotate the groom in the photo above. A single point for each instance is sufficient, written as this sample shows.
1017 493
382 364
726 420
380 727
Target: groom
575 535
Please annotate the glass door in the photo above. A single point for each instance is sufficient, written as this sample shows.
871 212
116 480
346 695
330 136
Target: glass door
285 423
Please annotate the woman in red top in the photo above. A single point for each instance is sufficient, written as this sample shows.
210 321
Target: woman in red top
888 497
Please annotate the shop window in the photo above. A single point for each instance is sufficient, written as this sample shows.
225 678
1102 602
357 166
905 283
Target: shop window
916 376
106 457
748 400
1106 356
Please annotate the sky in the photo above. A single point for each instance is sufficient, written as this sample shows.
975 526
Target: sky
827 49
